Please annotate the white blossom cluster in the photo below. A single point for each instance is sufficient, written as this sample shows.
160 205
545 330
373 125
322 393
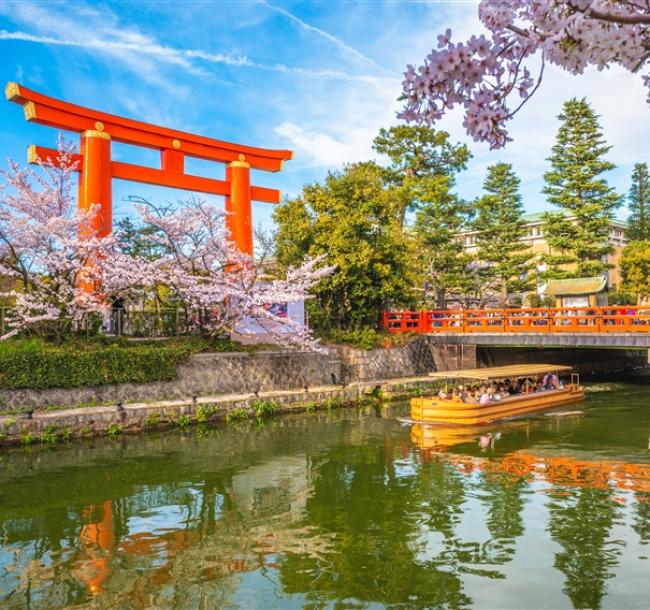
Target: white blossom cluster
48 250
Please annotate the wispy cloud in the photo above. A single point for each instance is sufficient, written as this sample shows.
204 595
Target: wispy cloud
337 42
182 57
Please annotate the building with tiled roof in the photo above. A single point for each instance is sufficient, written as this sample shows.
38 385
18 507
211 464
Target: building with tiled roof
535 241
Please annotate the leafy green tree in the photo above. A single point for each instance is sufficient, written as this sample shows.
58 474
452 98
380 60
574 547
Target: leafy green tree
446 269
135 239
501 228
417 152
578 237
635 269
353 218
639 204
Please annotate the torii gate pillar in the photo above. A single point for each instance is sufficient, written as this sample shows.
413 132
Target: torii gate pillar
238 203
95 180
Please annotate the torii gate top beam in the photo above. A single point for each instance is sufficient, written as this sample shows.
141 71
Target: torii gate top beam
97 168
49 111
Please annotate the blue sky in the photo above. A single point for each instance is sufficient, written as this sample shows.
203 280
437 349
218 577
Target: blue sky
319 78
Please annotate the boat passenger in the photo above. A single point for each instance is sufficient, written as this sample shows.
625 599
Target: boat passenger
455 396
551 382
462 390
485 398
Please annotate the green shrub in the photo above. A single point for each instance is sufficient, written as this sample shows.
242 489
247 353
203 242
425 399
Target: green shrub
113 430
236 415
35 365
363 338
264 408
201 414
49 436
183 421
86 429
66 434
152 420
26 438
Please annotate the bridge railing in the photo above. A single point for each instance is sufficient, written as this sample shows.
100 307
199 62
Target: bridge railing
611 319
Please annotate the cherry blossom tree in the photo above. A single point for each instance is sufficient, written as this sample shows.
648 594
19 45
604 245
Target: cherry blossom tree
213 281
47 249
493 76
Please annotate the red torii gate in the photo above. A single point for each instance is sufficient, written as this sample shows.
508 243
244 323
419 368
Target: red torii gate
98 129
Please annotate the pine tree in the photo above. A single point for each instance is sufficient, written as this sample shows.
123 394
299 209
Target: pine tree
499 220
417 152
439 220
578 236
639 204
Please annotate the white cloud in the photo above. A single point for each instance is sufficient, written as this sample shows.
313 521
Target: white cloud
337 42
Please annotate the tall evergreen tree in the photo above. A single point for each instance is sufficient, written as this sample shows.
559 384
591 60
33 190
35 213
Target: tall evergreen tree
499 220
417 152
639 204
441 217
578 236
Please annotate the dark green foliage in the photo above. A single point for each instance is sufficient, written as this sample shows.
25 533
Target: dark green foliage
183 421
363 338
639 204
441 216
39 366
501 228
238 414
417 152
574 184
49 435
352 217
114 430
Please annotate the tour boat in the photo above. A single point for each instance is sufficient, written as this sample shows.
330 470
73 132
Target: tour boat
435 410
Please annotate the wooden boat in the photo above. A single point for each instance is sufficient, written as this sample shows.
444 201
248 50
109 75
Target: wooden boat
436 410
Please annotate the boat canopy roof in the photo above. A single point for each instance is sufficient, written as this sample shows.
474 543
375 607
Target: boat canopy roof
502 372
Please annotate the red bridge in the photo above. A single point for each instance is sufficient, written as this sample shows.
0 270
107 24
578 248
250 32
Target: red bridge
612 326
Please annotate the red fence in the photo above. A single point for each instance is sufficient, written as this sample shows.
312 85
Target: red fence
613 319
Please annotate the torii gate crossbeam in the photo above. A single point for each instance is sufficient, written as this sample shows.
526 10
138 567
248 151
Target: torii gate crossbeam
97 169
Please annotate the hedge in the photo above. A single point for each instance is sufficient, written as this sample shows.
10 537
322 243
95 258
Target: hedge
66 367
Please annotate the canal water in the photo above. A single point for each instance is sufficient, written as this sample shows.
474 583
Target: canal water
348 509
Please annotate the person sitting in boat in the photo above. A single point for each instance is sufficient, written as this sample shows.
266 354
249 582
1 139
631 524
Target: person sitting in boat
485 398
442 395
455 396
551 382
463 392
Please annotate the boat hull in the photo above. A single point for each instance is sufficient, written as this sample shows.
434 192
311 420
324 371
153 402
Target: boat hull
435 410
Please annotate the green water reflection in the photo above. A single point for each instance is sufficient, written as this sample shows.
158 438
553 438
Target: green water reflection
344 510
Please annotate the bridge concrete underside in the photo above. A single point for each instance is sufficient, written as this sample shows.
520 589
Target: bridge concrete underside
587 340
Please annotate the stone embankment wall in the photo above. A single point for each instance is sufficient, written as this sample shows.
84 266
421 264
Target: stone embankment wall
242 373
235 373
97 421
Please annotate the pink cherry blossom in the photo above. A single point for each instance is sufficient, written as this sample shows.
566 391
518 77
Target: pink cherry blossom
49 251
525 34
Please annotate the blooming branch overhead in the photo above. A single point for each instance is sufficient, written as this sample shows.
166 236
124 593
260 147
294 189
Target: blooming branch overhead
492 76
